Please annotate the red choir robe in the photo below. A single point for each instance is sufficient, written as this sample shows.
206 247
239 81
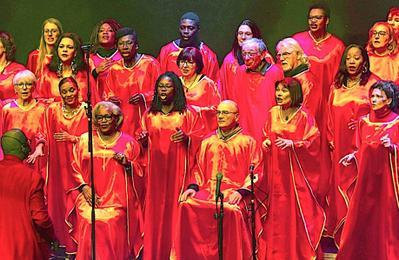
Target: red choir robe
32 63
31 121
344 105
26 227
255 96
386 67
59 170
48 86
118 215
6 77
196 231
228 72
168 165
372 223
168 58
204 94
295 221
95 60
125 82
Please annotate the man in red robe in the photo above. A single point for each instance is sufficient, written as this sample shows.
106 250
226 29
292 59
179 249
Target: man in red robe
230 152
254 87
26 228
189 29
130 81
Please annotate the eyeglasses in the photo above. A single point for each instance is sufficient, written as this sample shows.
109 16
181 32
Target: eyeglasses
284 54
380 33
250 54
104 117
316 17
24 84
52 31
187 63
224 112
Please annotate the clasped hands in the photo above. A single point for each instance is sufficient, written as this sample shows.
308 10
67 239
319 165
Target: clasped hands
233 199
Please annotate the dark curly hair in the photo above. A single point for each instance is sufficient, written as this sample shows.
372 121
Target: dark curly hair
8 42
179 99
78 60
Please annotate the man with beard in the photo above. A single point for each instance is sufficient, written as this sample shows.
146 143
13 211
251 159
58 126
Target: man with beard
189 37
130 81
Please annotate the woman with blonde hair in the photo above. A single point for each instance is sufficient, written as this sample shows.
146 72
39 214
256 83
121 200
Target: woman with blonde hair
51 29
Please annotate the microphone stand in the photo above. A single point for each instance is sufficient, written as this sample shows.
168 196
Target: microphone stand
252 209
86 50
219 217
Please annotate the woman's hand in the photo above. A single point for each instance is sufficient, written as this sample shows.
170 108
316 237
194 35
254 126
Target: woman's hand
347 159
86 191
386 141
235 198
38 152
352 124
284 143
104 65
188 193
121 158
64 136
136 99
179 136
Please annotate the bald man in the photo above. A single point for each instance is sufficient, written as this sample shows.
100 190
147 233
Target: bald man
26 229
189 28
228 151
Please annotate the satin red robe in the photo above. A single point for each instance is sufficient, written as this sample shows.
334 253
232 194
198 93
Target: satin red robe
32 63
125 82
25 223
372 224
32 122
168 58
205 95
6 77
48 86
119 215
59 170
255 96
197 233
95 60
168 164
344 105
385 67
295 221
228 72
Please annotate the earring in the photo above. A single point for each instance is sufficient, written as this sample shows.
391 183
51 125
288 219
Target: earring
364 69
74 67
59 69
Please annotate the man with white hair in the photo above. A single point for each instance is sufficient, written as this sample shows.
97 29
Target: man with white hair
254 86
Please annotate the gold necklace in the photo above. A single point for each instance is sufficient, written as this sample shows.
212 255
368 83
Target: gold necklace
68 114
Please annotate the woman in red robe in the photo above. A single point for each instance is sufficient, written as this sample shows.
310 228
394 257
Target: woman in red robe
247 29
8 67
170 130
117 207
393 20
295 221
347 103
200 91
372 224
39 58
27 114
384 57
65 122
67 61
104 52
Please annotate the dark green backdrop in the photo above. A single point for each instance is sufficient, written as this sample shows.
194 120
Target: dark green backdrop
156 21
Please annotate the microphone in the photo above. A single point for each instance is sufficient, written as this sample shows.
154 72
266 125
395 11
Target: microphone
219 177
251 167
86 46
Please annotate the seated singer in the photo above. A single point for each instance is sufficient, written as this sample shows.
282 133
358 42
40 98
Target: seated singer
230 152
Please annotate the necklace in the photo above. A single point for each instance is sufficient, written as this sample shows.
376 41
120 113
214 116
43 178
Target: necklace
70 113
352 83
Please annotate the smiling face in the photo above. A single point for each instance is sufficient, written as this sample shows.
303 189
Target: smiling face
380 37
354 61
70 94
106 35
379 99
51 33
283 96
317 21
166 90
244 33
105 121
188 28
66 50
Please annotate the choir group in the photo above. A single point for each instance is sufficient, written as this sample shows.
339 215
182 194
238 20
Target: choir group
317 124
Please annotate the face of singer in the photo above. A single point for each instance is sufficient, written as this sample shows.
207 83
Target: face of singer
66 50
379 99
69 94
283 96
288 58
166 90
24 89
380 37
393 20
354 61
105 121
106 35
251 55
317 20
244 33
51 33
187 29
127 46
227 115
